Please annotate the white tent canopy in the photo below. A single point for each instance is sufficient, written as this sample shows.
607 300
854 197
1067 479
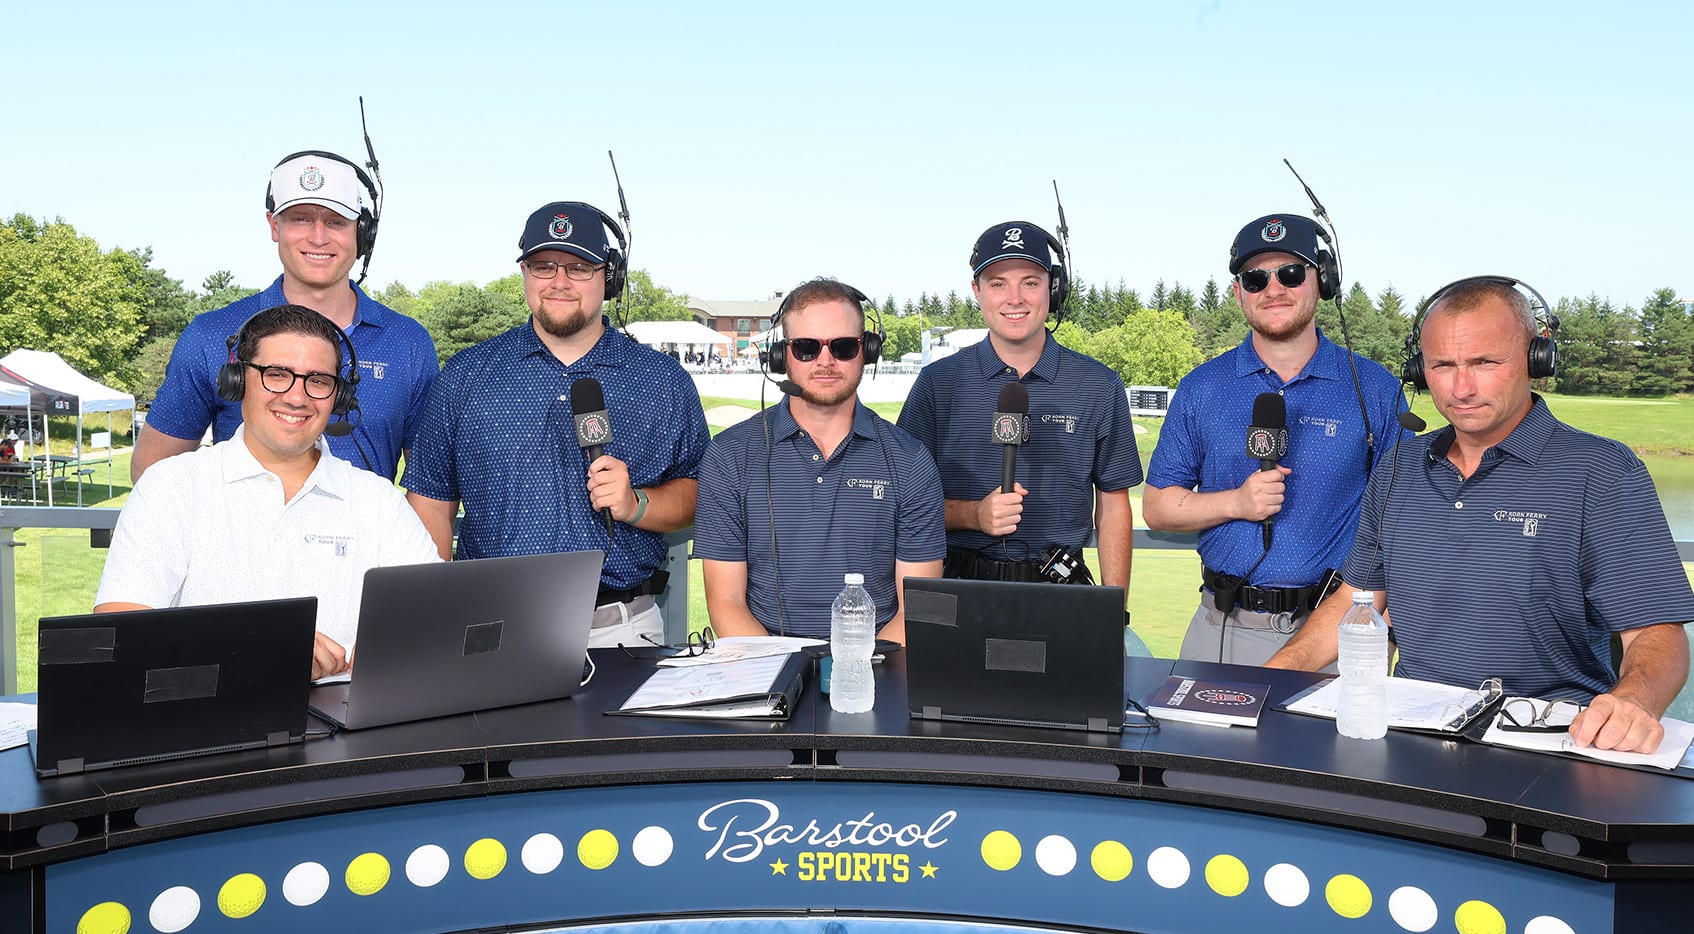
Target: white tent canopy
13 396
48 370
658 333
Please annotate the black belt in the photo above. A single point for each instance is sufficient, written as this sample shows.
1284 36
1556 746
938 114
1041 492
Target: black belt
1293 600
973 565
652 586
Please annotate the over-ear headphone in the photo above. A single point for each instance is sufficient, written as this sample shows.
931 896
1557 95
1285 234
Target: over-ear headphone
1058 280
369 215
870 341
232 376
1543 354
1329 265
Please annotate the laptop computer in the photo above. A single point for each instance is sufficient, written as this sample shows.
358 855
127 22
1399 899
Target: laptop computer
1045 655
440 639
150 685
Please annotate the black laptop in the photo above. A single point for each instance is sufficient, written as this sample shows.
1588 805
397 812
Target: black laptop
446 638
150 685
1046 655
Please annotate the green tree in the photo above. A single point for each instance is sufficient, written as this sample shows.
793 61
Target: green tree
1160 297
1151 348
1597 348
458 315
644 301
223 279
1667 346
60 293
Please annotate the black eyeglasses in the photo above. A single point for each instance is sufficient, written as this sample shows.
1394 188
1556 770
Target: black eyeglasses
697 644
1522 715
280 379
806 349
547 269
1291 275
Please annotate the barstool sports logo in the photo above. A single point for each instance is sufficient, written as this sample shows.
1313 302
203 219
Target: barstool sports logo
863 849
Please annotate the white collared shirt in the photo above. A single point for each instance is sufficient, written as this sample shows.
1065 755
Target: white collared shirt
211 526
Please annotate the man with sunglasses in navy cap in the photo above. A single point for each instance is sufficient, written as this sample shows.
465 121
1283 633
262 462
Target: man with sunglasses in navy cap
316 211
1079 460
1202 479
509 445
816 487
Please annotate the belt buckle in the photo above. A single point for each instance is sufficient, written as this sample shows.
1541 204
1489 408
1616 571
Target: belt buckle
1283 623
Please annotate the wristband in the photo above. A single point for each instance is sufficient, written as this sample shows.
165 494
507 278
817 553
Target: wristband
640 507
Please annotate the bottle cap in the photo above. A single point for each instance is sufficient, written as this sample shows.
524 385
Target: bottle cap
852 579
1363 596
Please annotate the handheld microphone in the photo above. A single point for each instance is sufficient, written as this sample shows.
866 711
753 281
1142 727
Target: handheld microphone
1267 437
593 428
1011 429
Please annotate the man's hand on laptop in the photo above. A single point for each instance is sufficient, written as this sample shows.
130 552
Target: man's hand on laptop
328 657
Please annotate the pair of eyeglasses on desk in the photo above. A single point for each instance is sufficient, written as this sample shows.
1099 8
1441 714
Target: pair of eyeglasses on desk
1137 717
697 644
1522 715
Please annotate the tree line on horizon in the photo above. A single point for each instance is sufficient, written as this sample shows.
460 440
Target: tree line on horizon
115 316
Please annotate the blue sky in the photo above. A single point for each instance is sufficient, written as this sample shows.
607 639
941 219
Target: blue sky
764 143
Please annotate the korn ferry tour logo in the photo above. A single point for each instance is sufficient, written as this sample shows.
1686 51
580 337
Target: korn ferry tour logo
862 849
1531 520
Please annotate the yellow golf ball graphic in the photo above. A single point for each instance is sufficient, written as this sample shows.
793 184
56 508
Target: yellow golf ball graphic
1348 896
597 849
1111 861
367 874
104 918
1474 917
241 895
485 858
1001 850
1227 875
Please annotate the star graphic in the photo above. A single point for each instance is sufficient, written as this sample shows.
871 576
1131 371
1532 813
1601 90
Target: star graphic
928 869
779 868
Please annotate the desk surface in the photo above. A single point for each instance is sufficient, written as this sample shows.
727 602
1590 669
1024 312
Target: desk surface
1577 816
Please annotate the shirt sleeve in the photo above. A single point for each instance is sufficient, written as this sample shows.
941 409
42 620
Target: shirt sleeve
1176 458
187 401
408 542
720 515
427 367
1364 565
922 525
693 436
1627 551
147 562
917 416
1117 459
431 470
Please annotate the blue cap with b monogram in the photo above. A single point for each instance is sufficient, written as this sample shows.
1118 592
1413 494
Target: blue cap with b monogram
1011 240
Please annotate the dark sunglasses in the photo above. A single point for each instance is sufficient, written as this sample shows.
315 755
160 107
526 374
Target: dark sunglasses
806 349
1292 276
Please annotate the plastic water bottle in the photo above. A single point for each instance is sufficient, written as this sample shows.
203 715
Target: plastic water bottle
1362 639
852 640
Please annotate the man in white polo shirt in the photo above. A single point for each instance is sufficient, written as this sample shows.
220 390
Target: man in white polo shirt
270 512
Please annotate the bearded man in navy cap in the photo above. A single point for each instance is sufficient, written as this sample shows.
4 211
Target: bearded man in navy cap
505 442
1074 472
1201 478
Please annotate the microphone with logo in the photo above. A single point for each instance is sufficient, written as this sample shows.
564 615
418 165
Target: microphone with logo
593 428
1011 429
1267 438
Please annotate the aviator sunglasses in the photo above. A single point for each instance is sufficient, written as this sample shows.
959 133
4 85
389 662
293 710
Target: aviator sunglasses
1291 275
806 349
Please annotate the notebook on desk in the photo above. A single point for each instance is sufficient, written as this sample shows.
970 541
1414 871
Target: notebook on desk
1046 655
150 685
440 639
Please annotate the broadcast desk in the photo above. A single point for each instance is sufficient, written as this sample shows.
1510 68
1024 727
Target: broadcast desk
555 813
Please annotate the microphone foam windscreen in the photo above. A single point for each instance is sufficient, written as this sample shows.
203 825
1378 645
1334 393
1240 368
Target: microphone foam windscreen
587 396
1269 411
1014 398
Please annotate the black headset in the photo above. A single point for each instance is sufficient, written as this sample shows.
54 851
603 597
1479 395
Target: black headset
369 215
232 376
1543 354
617 264
871 340
1058 281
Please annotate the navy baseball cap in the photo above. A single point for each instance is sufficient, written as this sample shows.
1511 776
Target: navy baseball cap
1276 233
565 225
1011 240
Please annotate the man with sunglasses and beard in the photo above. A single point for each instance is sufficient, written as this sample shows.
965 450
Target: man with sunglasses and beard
815 487
1202 479
505 440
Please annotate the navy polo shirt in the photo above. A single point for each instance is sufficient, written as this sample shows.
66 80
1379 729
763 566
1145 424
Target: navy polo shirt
1080 440
877 499
1203 446
1524 570
397 366
499 436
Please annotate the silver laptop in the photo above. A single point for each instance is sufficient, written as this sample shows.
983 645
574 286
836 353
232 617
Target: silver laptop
1024 654
440 639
